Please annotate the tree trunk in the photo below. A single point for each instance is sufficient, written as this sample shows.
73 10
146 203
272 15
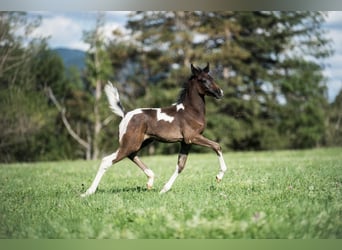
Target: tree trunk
97 121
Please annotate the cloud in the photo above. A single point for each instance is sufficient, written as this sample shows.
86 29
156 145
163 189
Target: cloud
334 87
334 64
336 36
334 17
62 32
108 29
65 29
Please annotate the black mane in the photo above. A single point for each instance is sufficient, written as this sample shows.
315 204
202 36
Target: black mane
184 89
182 93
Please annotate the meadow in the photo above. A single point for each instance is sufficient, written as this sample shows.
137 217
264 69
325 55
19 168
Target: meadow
274 194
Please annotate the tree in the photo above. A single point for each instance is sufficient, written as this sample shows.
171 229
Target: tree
98 72
82 112
334 128
256 53
22 108
303 115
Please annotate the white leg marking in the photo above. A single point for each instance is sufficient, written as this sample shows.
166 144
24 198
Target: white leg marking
180 106
164 116
150 176
105 164
124 123
169 184
223 168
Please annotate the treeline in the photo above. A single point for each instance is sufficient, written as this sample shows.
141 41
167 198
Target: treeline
266 63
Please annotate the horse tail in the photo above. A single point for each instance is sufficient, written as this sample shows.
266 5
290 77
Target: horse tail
114 99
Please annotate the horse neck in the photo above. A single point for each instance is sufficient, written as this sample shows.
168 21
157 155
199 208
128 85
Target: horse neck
195 102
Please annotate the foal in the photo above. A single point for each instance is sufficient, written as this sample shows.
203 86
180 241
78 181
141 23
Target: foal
182 122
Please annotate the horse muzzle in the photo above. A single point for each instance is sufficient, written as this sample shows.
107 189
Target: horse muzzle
219 94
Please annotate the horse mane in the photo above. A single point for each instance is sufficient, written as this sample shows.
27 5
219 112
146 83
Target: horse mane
184 90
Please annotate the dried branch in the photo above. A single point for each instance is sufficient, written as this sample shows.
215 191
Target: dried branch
66 123
106 121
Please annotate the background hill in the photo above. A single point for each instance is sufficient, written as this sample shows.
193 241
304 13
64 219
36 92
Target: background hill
72 57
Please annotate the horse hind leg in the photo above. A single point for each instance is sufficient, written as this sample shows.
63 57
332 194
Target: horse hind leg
148 172
105 164
129 144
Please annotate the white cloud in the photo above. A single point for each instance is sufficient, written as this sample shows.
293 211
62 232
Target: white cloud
334 17
334 66
336 36
62 32
65 29
334 87
108 29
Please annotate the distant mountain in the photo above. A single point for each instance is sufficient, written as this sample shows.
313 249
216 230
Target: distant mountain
72 57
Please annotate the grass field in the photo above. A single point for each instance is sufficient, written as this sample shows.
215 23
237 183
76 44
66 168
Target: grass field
281 194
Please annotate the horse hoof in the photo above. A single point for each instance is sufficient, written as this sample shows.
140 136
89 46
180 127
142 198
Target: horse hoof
149 187
218 180
87 193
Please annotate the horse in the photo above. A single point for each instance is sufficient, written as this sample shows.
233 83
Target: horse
182 122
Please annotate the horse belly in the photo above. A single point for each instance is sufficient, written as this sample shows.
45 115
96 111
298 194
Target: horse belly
164 131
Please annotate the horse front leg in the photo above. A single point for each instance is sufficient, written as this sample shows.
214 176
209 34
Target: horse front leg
182 157
202 141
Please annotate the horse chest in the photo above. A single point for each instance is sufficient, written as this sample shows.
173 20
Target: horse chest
191 128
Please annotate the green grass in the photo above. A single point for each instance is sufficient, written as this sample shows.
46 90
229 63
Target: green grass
281 194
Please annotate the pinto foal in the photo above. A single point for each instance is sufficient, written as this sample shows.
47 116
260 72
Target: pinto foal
182 122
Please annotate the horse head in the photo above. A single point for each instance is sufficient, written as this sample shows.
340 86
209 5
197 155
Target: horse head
205 83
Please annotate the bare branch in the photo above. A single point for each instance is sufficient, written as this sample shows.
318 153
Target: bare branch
106 121
65 120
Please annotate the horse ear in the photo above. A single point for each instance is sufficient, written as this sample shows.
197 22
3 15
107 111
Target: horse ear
207 68
194 70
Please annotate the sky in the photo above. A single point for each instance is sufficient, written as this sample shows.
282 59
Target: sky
65 29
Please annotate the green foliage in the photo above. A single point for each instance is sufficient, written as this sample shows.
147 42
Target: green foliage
27 124
281 194
334 130
303 113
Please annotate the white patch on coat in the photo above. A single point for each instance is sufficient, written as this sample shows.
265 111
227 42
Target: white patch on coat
164 116
124 123
180 106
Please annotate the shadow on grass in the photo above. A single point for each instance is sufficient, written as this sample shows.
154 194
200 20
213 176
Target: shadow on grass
127 190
